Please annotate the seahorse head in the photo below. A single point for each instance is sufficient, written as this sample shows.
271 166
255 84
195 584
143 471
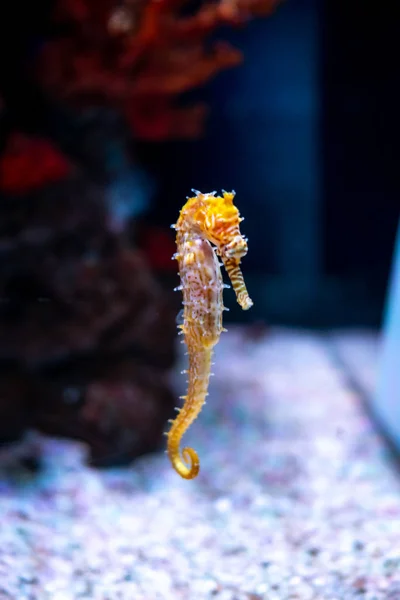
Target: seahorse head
221 224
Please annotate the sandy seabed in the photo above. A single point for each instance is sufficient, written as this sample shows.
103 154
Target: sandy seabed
297 496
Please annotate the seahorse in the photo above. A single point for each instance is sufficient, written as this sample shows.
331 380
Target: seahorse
204 220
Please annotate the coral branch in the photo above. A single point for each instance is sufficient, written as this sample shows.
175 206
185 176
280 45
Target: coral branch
143 53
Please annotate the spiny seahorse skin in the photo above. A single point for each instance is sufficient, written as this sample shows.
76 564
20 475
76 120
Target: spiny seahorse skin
202 287
205 219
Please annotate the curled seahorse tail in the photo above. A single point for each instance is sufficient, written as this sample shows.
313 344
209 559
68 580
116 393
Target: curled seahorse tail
187 465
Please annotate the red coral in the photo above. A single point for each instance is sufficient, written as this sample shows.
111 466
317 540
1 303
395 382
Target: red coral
158 246
141 55
30 163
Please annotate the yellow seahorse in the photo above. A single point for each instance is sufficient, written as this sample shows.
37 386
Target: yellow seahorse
205 219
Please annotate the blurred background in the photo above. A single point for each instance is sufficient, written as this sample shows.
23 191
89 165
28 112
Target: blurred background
110 112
